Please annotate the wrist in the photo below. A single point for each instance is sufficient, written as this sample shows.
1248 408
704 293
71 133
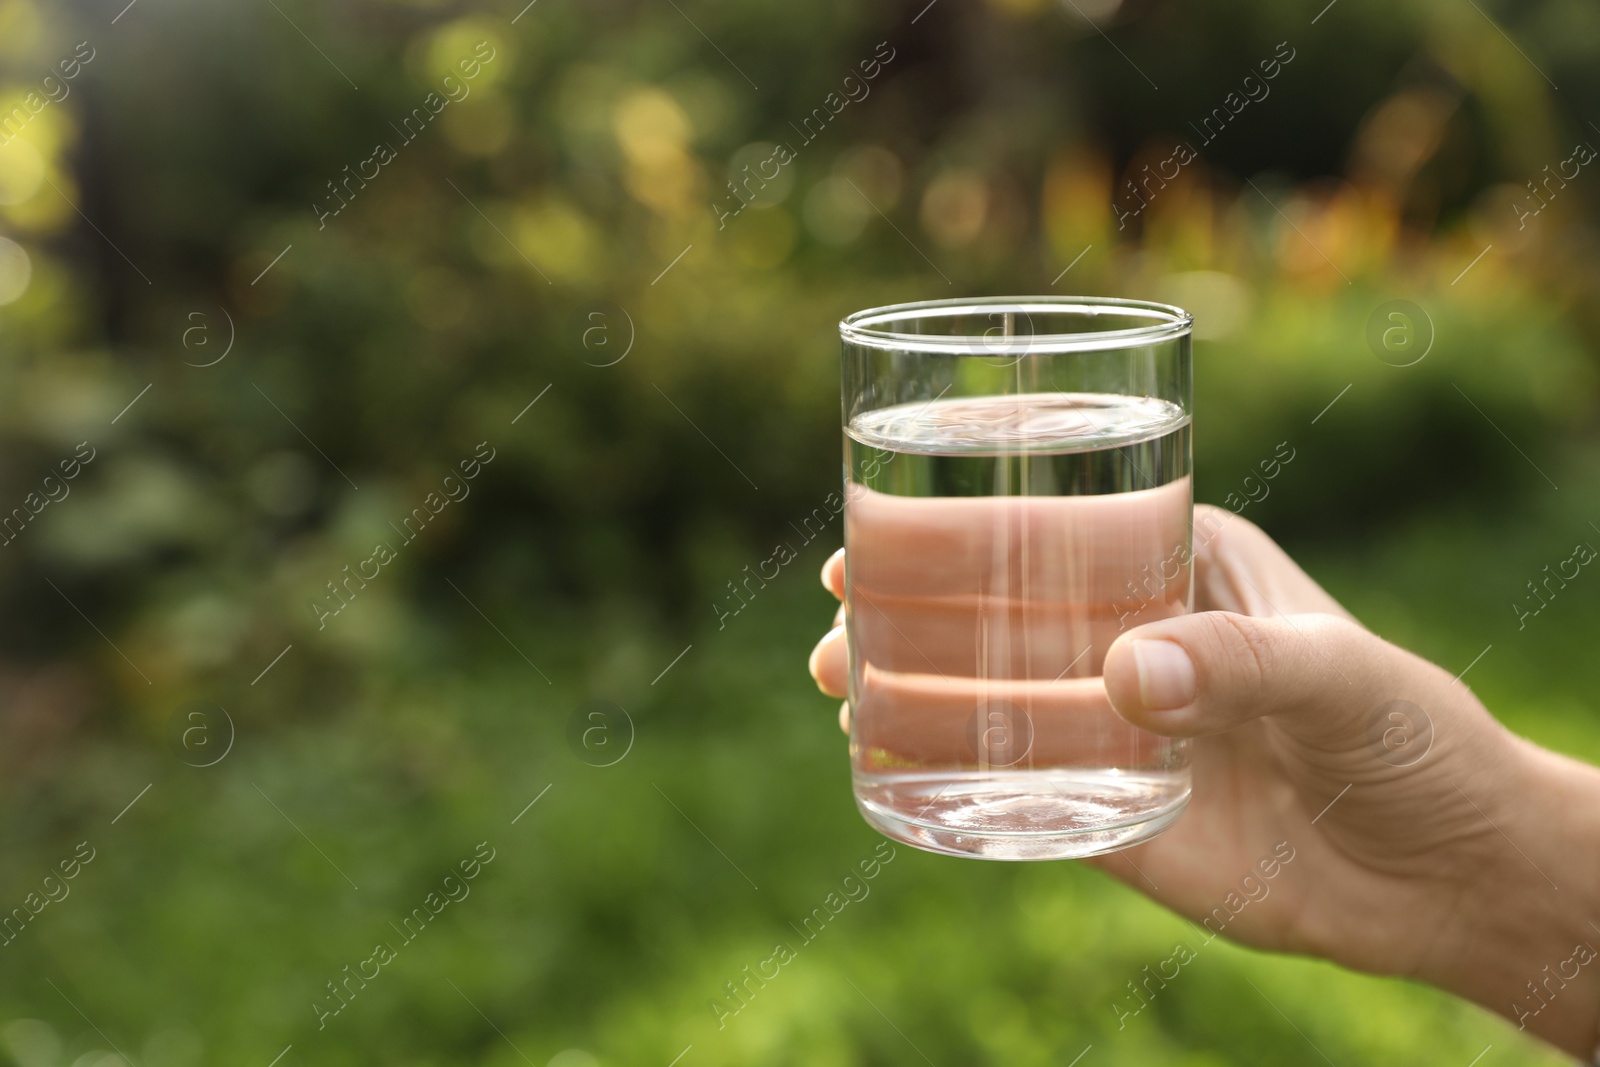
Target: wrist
1529 942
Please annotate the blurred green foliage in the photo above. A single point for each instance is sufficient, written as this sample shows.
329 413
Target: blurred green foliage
163 209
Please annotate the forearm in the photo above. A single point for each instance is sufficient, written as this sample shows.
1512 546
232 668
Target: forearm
1531 948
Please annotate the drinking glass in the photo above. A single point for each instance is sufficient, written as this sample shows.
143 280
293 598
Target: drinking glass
1017 494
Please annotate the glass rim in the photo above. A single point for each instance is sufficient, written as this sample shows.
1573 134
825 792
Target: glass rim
1168 323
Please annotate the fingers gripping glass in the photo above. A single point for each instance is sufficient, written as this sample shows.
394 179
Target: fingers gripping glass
1017 476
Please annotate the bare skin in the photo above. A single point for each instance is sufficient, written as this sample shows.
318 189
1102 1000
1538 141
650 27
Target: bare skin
1445 869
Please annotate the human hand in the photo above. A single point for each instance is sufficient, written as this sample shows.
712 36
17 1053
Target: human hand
1438 862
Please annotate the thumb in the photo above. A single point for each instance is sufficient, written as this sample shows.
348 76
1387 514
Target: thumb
1319 676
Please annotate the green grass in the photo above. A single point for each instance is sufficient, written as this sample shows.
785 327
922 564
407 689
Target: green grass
610 919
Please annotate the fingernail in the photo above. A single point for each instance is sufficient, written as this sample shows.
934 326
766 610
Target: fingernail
827 566
1166 675
816 653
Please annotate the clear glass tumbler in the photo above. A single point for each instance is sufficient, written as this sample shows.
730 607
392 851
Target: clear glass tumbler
1018 493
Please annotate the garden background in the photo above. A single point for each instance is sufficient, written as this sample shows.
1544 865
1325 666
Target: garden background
272 363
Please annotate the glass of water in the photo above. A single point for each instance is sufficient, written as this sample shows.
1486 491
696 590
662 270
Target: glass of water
1018 494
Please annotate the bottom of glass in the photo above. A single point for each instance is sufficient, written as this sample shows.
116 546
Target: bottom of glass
1043 814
